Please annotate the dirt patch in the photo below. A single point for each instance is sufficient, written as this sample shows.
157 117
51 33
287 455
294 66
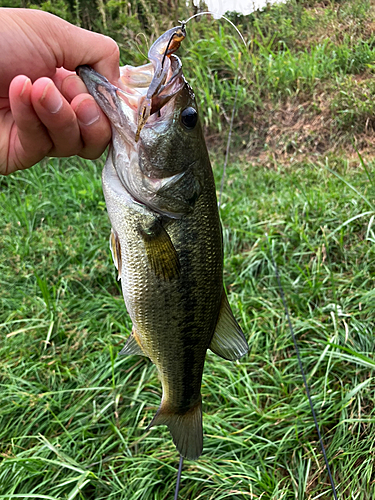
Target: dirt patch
337 22
291 128
331 121
297 130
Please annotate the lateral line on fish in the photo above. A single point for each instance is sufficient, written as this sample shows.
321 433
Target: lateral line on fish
286 309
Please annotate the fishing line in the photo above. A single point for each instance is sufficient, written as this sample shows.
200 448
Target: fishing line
281 290
178 477
183 24
282 294
228 144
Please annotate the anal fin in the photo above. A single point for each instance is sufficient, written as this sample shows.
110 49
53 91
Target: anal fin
228 340
186 429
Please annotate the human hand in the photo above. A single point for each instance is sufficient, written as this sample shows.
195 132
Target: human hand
45 109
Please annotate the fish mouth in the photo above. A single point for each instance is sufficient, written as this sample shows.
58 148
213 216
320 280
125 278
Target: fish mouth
124 105
144 110
127 106
106 96
143 93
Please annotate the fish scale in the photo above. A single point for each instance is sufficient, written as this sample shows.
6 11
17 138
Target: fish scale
166 237
194 297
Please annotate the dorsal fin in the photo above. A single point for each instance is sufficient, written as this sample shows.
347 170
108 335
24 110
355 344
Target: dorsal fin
228 340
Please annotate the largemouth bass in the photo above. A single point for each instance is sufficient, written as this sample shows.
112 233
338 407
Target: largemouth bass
166 238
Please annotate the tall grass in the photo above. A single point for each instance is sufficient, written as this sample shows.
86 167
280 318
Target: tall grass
73 415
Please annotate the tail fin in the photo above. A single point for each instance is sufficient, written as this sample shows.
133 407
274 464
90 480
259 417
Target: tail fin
186 429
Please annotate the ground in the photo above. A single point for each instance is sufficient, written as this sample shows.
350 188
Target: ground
300 187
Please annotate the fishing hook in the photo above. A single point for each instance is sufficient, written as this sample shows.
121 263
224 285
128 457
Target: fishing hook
182 27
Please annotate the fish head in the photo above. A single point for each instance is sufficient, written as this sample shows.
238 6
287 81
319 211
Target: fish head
157 140
171 140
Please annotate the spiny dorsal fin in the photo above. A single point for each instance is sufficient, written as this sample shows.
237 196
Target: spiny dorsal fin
161 253
228 340
131 347
114 245
186 429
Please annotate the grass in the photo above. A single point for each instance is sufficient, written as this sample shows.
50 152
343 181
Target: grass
73 415
293 52
300 50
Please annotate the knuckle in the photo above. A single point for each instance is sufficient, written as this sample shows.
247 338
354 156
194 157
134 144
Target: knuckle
115 48
91 153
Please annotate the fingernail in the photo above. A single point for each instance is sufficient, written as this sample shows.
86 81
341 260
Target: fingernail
87 112
51 99
26 83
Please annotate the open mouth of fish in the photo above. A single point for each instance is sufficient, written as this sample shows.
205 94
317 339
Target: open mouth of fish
144 101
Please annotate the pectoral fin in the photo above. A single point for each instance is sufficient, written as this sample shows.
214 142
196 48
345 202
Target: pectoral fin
161 253
228 340
131 347
114 245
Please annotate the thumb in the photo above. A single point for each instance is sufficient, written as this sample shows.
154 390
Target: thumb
66 45
76 46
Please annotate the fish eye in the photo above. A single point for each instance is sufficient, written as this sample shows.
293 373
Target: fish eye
189 118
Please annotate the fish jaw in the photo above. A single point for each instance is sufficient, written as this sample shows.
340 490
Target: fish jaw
157 170
121 113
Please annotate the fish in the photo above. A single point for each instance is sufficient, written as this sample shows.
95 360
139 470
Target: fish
166 237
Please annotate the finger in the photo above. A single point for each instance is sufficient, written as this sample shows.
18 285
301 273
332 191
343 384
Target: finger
86 47
29 142
49 42
69 84
73 46
56 114
94 126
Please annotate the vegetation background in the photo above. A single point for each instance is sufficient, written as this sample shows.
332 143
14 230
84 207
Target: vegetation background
300 181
